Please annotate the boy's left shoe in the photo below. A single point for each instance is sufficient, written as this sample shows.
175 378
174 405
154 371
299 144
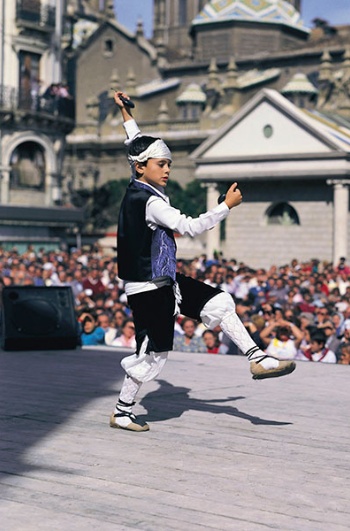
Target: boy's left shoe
127 421
260 373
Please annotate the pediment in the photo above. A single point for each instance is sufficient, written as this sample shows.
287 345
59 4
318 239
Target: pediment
270 126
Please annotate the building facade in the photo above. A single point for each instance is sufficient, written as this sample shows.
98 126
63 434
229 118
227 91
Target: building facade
204 65
36 114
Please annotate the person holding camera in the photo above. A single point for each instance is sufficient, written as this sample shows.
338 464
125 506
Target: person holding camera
282 339
91 333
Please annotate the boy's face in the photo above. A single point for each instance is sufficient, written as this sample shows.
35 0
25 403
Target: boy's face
155 172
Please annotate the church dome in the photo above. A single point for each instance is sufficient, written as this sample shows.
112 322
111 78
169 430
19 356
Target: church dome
264 11
192 94
299 84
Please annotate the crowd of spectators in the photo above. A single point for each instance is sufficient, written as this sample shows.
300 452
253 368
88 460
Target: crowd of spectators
299 310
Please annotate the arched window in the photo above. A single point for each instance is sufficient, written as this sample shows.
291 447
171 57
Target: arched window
282 214
28 167
108 47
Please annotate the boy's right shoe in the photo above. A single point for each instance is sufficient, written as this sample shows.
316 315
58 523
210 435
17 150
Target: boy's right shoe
127 421
260 373
263 366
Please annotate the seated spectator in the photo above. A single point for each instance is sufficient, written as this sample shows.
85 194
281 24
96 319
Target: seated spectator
104 321
306 302
333 341
318 350
268 313
322 315
213 344
127 337
84 302
91 333
93 282
282 340
338 321
118 320
306 319
344 358
284 345
177 326
305 342
188 341
345 339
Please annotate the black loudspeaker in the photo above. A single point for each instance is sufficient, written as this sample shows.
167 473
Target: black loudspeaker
38 318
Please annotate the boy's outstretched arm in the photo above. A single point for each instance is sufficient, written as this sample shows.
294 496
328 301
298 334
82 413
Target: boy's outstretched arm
160 213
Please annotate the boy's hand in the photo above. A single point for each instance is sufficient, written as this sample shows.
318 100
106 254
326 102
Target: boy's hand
124 109
117 100
233 196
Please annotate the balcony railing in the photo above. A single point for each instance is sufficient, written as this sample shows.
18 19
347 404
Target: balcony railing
12 100
35 13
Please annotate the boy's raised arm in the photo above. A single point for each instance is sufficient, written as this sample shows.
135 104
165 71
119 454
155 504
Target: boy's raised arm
131 128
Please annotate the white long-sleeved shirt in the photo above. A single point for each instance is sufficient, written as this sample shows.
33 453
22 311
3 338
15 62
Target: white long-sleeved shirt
159 212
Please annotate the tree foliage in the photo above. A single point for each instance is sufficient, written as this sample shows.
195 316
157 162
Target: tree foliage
102 204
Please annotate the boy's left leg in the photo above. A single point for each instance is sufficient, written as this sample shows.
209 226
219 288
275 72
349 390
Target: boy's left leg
153 313
122 416
221 310
139 368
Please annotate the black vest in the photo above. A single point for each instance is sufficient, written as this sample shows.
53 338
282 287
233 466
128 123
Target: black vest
138 249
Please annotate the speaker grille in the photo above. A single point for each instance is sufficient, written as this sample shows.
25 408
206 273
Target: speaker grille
38 318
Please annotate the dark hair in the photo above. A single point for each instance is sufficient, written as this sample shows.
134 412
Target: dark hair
282 330
89 318
214 334
127 321
318 336
140 144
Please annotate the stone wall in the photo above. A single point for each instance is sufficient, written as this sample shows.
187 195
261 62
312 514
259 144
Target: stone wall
251 239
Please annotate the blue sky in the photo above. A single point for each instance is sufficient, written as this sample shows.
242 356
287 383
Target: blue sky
336 12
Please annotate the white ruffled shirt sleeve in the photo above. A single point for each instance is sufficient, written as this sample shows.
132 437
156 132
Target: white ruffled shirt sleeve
159 212
132 131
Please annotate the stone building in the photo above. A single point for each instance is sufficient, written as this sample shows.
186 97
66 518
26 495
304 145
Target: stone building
33 125
206 66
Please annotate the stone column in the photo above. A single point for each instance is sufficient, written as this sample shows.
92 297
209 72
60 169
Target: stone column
53 192
340 217
5 185
213 235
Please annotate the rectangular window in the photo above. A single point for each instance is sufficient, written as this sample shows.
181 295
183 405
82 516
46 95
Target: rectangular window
29 79
182 12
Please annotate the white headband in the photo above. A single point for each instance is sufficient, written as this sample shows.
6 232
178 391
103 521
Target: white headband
157 150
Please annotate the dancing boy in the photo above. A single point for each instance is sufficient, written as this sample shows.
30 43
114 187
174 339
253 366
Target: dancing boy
147 264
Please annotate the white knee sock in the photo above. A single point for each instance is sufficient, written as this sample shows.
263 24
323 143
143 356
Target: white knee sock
127 395
221 310
233 327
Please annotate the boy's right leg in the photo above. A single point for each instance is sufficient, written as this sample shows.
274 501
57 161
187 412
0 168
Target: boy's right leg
221 310
214 307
